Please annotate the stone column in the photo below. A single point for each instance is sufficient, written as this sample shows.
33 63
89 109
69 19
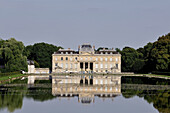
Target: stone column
94 67
83 66
88 66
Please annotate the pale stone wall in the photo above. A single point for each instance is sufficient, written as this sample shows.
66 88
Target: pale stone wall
101 63
33 70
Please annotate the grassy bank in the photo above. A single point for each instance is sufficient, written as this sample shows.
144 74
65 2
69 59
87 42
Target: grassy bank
10 77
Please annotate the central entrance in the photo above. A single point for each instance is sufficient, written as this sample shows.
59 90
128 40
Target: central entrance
86 66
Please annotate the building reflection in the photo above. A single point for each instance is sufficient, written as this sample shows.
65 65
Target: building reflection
86 87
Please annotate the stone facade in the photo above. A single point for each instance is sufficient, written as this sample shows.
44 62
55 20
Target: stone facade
33 70
86 60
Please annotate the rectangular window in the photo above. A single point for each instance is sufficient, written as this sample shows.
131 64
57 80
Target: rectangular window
105 65
56 59
66 65
101 59
71 59
96 59
116 59
111 65
61 58
110 59
101 65
105 59
96 65
117 66
62 65
56 64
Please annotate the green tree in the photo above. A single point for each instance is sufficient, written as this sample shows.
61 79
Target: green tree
160 53
11 51
41 53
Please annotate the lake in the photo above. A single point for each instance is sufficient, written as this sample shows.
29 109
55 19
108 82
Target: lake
83 94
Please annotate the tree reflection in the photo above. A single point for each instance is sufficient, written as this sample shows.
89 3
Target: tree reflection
11 100
11 97
159 98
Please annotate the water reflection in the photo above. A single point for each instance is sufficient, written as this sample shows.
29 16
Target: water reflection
85 89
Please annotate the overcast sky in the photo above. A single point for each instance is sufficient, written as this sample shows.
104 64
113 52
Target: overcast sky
68 23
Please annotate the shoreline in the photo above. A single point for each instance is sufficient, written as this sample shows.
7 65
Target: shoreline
18 76
4 79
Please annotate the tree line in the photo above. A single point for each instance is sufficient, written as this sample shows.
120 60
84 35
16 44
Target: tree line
152 57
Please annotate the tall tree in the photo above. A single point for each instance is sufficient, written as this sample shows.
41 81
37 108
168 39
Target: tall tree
11 51
160 53
41 53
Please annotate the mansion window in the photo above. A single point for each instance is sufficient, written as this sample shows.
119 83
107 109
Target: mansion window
81 58
75 58
91 58
105 59
56 64
101 65
116 59
111 65
61 58
96 59
86 59
66 65
96 65
71 59
105 65
76 66
62 65
111 59
56 59
101 59
66 58
105 81
117 66
66 52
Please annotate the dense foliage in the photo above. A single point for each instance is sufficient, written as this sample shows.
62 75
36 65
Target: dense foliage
41 53
152 57
11 55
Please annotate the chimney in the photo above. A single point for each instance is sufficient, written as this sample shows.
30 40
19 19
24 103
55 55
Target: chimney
79 47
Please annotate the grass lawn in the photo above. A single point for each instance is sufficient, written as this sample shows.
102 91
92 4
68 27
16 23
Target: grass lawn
157 75
10 76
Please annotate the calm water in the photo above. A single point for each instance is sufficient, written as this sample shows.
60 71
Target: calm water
105 94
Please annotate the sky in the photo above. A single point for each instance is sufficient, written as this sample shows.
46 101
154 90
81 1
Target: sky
69 23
